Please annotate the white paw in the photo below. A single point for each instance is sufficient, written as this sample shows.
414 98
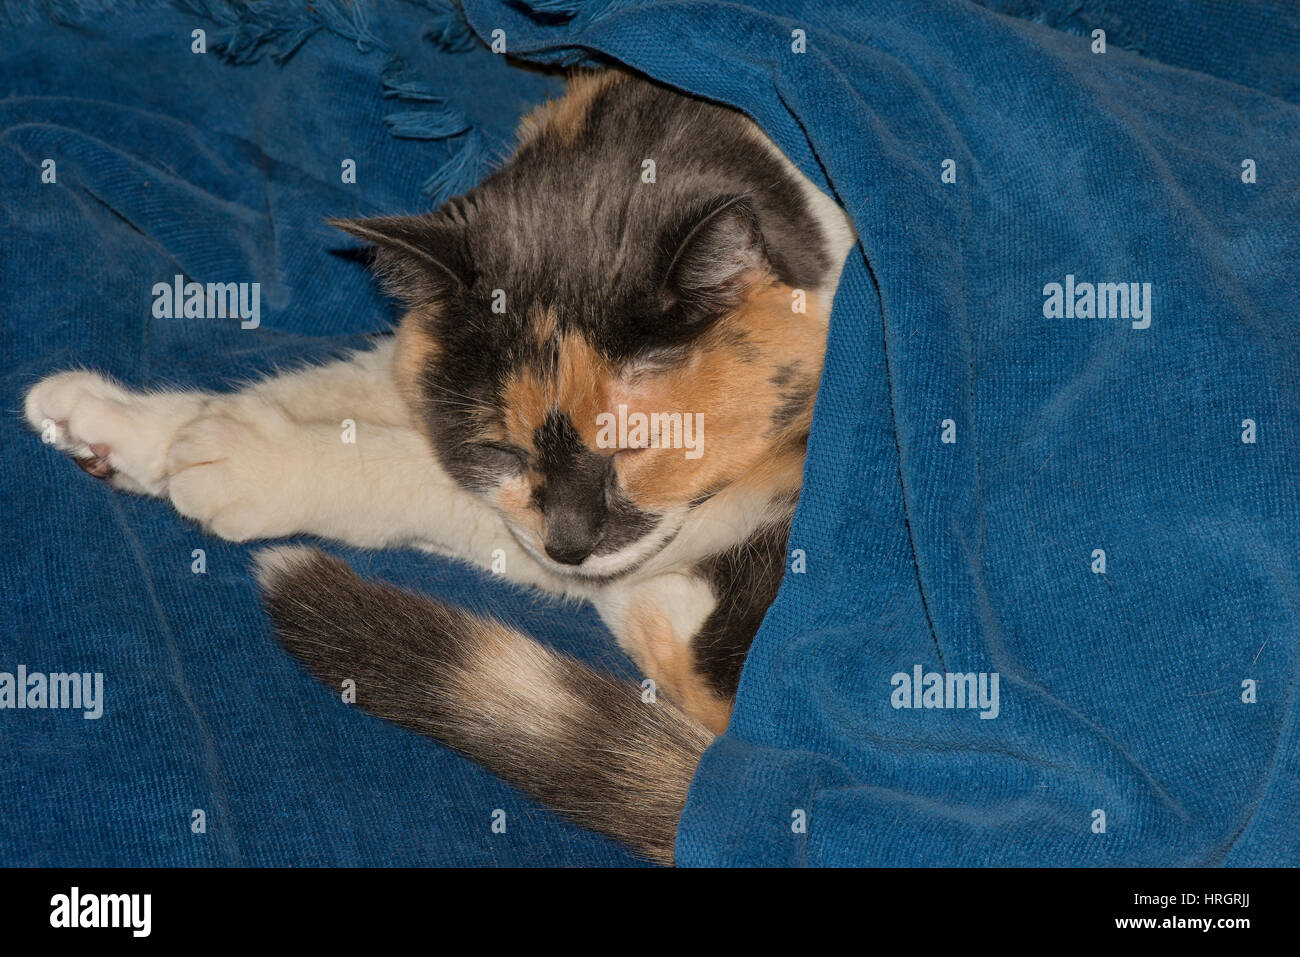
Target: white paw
113 434
231 470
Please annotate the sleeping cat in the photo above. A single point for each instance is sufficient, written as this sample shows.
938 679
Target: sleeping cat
568 290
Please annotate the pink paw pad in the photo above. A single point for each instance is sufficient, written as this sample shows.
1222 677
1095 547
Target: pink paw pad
97 463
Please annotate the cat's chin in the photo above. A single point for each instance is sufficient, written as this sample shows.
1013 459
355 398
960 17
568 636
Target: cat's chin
598 569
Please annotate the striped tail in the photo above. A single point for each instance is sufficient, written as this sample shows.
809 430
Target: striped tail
582 743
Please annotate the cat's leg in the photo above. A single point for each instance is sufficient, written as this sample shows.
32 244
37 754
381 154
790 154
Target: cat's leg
124 437
656 622
326 450
130 438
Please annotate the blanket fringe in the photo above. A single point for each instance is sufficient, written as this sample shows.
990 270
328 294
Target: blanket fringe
249 30
448 27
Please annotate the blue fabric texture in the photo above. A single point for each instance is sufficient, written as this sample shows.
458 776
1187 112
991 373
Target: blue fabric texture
1157 696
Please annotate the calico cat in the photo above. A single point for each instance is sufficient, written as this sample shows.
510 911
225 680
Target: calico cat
565 289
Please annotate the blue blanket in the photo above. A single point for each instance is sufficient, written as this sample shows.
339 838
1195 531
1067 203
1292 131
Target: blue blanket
1055 449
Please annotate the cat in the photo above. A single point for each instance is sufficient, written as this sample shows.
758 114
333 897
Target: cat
569 286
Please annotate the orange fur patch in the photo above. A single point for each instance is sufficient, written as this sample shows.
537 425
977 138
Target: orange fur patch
578 386
515 499
670 663
562 118
415 349
729 379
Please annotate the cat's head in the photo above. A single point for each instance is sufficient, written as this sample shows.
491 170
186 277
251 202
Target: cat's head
599 358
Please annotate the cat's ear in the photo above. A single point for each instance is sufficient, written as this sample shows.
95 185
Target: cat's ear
420 259
720 255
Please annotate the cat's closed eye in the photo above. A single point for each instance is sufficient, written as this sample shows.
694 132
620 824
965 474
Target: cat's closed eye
499 457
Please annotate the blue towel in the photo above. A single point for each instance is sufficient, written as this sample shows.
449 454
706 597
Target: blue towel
1096 505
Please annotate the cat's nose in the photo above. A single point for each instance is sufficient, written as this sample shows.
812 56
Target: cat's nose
570 538
567 554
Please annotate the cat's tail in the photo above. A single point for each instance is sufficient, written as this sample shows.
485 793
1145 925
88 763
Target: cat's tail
580 742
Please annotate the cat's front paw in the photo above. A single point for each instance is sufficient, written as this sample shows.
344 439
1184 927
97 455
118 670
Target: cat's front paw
233 471
113 434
